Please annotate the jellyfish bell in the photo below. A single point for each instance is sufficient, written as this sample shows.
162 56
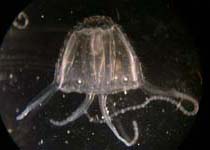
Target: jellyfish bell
97 59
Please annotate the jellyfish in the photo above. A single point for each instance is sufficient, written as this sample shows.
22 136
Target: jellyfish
97 59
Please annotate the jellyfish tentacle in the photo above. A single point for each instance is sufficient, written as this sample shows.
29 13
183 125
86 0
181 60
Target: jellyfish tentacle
151 89
41 99
82 109
130 108
121 129
162 96
107 119
183 96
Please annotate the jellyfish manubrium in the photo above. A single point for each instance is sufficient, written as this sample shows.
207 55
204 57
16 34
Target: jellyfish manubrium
97 59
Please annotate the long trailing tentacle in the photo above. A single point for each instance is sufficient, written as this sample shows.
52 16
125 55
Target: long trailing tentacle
143 105
160 95
42 98
82 109
171 96
148 101
107 119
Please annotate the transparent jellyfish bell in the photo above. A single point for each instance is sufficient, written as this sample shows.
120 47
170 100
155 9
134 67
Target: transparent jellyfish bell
98 60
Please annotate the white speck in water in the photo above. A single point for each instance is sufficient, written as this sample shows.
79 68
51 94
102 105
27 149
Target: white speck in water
116 77
125 79
138 144
71 12
114 104
163 110
59 19
79 81
42 16
10 130
17 110
41 142
167 132
64 96
11 76
66 142
107 111
125 92
68 131
37 78
92 133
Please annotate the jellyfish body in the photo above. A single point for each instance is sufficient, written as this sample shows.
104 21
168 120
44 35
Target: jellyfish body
98 59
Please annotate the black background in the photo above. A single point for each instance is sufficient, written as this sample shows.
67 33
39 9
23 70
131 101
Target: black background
195 14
